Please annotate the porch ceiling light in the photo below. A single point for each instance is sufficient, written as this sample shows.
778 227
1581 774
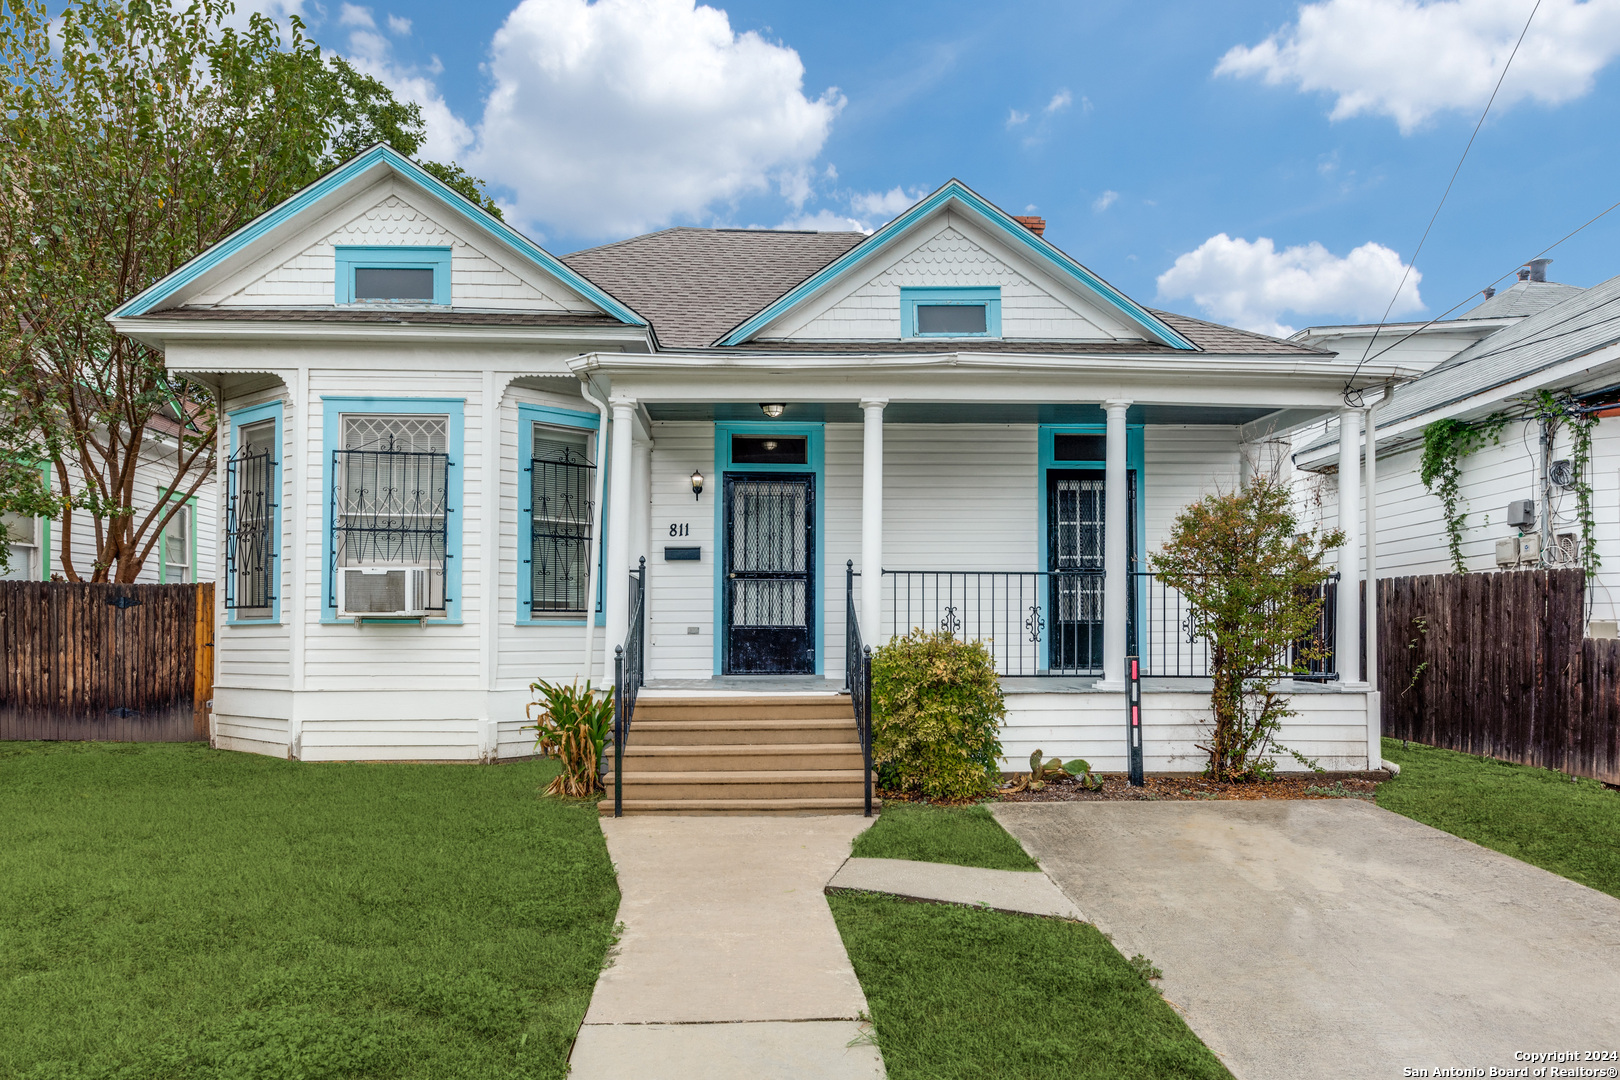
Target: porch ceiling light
697 484
773 411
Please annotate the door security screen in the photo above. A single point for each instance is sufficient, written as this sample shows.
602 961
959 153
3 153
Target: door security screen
770 574
1075 558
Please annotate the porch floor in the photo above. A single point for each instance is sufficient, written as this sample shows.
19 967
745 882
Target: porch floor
1010 684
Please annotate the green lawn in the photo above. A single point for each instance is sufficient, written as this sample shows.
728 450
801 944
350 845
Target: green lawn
963 835
1569 827
173 912
967 994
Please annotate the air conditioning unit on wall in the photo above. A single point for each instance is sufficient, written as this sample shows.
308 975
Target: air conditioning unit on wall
382 591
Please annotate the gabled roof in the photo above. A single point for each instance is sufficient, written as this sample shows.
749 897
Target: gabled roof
1587 321
1520 299
997 220
357 170
695 284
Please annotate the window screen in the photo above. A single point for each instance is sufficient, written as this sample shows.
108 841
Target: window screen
561 508
392 283
1080 448
23 533
177 548
768 450
951 319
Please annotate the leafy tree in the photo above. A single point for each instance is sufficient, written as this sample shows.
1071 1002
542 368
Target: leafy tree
132 137
1254 583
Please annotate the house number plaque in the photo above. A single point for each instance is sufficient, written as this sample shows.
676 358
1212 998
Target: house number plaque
680 530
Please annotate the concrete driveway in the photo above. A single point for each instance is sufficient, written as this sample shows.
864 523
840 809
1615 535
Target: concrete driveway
1335 939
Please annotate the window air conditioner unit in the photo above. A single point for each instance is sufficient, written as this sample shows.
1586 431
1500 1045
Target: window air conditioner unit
382 591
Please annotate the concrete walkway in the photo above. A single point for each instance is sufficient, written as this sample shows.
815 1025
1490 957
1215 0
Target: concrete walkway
1016 891
1332 938
730 965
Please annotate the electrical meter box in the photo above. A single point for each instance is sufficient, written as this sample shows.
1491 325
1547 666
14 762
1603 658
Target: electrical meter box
1530 549
1521 514
1507 551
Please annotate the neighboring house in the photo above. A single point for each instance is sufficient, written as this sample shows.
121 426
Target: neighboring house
1558 338
439 434
185 549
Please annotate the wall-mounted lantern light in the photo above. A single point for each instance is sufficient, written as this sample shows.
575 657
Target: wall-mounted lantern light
697 484
773 411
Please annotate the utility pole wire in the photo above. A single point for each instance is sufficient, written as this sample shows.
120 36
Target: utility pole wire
1447 194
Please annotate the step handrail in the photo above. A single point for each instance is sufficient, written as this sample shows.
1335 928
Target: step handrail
628 675
858 679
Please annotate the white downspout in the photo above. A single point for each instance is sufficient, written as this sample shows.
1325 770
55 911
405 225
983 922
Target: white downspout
593 587
1375 748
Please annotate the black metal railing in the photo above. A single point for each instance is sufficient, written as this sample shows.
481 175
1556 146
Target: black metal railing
1169 635
562 509
250 540
392 507
1038 622
858 679
628 675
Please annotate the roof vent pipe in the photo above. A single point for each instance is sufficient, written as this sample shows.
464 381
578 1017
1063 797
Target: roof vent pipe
1538 269
1524 274
1489 291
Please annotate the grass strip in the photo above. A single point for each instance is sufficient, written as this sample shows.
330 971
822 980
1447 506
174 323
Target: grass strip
962 993
174 912
960 835
1569 826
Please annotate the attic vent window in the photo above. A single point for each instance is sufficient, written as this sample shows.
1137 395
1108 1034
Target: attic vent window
387 274
950 312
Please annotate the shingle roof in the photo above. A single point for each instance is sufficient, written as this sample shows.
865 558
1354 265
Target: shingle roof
695 284
404 316
1522 298
1587 321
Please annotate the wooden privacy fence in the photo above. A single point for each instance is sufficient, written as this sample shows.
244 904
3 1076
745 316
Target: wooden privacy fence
121 662
1498 664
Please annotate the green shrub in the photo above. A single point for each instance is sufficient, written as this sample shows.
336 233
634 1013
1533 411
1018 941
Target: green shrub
936 711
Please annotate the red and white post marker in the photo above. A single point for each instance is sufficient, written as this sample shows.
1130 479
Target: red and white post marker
1133 717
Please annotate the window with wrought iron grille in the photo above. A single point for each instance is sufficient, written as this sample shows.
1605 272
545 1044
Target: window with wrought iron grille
250 515
562 488
390 514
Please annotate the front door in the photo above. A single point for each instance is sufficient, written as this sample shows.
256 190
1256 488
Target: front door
770 574
1074 555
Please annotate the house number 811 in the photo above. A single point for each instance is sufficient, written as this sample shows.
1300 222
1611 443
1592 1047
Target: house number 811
680 530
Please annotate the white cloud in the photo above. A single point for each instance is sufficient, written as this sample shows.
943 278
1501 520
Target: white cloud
447 135
826 221
1104 201
1014 118
1410 60
1252 284
885 204
1060 100
399 25
623 115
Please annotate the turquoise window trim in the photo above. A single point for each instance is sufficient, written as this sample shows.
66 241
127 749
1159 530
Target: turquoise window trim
1134 455
910 297
332 410
349 258
352 171
1043 252
815 462
528 416
165 495
241 418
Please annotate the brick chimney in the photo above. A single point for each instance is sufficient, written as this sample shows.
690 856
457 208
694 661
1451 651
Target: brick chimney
1036 225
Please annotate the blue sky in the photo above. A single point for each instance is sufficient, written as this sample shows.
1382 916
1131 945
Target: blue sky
1334 124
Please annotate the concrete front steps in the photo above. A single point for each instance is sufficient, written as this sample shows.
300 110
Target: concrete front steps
741 754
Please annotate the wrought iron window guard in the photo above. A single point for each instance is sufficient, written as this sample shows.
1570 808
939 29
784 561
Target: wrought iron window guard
562 510
250 543
388 507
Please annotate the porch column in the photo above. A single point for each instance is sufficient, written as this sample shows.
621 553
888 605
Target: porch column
621 479
871 608
641 533
1347 633
1116 553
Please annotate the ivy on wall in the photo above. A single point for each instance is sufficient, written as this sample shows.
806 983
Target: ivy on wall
1560 410
1445 444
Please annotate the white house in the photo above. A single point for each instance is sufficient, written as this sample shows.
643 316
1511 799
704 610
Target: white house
448 449
1553 337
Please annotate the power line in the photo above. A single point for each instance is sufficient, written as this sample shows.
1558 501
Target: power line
1444 196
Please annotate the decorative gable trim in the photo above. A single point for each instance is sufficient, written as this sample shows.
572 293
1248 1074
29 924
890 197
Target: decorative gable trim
1007 229
351 171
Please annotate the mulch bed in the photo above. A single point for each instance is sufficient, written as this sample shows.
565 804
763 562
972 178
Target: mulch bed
1177 789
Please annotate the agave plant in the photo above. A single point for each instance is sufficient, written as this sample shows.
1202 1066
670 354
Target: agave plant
573 724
